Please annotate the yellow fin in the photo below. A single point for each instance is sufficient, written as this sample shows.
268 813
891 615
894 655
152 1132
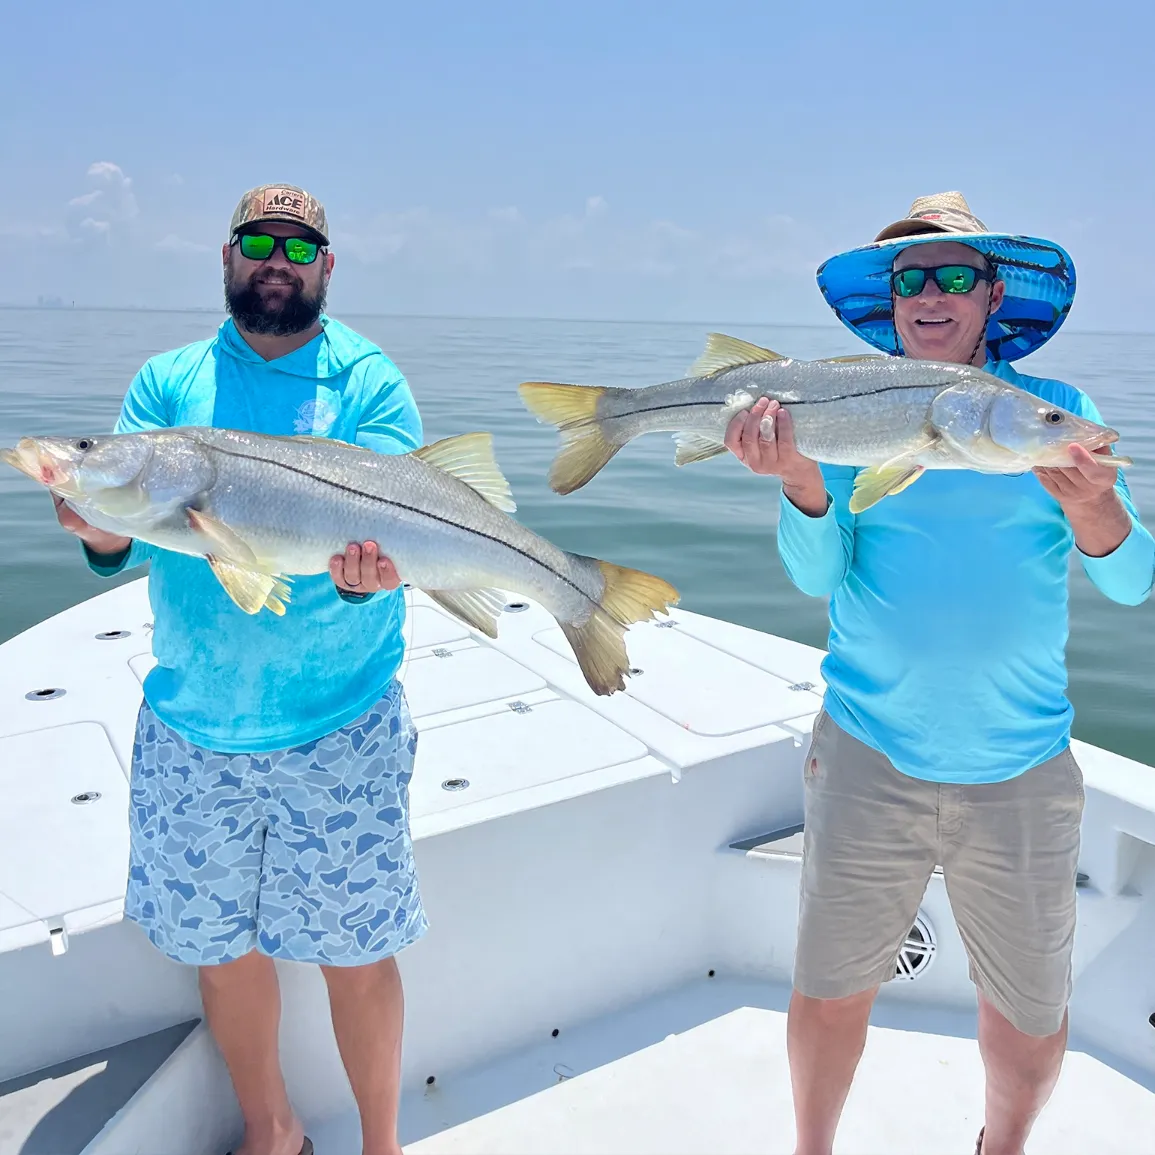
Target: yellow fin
585 448
252 591
477 608
236 567
872 485
222 541
632 595
696 447
469 458
599 643
724 352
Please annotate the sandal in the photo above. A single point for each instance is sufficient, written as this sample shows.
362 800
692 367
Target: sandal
307 1147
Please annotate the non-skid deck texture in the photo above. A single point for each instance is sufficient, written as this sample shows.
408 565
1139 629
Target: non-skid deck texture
723 1089
59 1109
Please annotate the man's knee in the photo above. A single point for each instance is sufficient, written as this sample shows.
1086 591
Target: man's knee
249 968
366 977
831 1012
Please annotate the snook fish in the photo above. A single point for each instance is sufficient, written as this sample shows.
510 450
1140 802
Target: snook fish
262 508
893 416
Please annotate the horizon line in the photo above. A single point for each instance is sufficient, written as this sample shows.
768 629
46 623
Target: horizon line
13 307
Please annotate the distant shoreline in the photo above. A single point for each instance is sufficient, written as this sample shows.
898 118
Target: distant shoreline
207 310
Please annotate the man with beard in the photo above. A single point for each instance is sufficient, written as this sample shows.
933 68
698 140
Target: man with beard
270 773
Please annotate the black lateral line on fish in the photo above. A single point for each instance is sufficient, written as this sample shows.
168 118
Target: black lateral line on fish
408 508
791 404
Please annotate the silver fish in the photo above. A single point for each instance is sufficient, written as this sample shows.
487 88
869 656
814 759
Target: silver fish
894 416
262 508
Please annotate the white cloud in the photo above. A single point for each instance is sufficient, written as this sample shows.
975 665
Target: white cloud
504 241
107 209
171 243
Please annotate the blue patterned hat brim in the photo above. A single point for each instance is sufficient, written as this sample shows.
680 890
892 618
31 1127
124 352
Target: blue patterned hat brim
1040 287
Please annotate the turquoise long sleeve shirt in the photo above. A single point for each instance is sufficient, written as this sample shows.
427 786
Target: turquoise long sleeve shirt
224 679
948 610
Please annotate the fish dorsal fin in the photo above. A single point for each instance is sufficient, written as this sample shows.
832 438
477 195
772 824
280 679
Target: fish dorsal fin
724 352
469 458
852 358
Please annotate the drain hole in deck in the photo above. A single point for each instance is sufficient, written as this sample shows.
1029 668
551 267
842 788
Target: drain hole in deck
635 671
87 796
45 695
113 635
555 1032
455 784
516 607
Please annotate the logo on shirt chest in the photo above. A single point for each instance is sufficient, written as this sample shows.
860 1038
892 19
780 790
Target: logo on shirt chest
319 415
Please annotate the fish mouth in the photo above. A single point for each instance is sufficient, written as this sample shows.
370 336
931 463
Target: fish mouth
25 456
37 462
1100 438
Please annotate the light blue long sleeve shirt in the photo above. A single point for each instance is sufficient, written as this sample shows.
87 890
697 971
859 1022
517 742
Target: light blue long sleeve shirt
224 679
948 610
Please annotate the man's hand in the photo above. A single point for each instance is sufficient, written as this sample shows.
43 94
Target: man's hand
1086 494
776 455
360 570
100 543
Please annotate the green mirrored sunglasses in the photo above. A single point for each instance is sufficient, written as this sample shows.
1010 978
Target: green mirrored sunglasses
261 246
949 278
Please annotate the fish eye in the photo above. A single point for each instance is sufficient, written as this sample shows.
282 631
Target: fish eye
1054 417
83 444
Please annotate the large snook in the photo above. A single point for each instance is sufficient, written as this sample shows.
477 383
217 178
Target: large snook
893 416
261 508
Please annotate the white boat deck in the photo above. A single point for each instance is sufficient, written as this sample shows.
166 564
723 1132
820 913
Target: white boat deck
722 1088
615 870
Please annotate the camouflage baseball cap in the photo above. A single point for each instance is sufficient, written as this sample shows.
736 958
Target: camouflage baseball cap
280 202
946 212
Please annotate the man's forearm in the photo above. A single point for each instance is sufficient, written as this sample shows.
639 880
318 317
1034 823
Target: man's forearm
1101 526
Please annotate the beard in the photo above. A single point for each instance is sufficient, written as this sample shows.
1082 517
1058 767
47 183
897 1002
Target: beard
282 317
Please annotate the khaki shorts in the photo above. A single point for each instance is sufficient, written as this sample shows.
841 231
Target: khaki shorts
1009 853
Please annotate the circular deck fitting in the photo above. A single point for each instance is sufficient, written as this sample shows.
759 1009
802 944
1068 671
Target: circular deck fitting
455 784
515 607
45 695
917 952
634 671
86 797
113 635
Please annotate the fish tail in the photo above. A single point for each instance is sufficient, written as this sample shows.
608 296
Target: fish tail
599 643
585 445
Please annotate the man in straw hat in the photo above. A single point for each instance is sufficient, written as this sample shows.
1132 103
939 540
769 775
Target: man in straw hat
945 731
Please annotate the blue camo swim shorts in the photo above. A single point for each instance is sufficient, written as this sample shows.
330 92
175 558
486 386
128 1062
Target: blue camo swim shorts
302 854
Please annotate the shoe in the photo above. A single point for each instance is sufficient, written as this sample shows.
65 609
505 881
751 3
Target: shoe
307 1147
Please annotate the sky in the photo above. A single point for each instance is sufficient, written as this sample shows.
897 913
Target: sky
624 160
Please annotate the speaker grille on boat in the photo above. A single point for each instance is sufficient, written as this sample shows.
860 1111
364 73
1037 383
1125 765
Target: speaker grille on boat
917 951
